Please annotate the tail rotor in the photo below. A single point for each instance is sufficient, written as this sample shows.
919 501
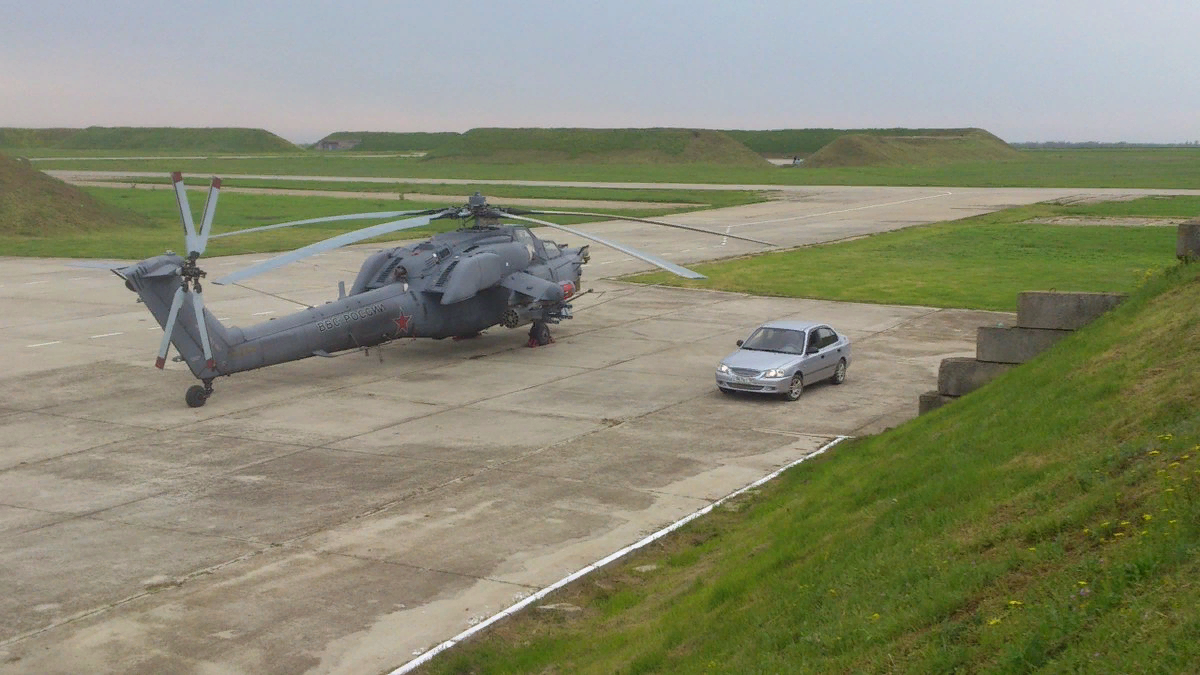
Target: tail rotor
190 273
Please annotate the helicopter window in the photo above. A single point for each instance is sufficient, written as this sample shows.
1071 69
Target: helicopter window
534 247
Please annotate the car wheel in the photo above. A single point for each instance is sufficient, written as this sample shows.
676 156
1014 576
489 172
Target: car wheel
839 374
795 388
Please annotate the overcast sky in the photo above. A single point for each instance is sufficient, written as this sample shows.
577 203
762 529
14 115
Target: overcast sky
1026 70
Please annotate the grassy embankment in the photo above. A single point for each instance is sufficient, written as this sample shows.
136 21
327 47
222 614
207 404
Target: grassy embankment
20 141
1050 520
980 262
804 142
388 141
970 145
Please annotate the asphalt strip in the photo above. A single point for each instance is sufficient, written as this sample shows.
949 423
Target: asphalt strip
510 611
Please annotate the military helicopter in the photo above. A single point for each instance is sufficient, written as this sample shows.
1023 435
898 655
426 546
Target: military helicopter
454 284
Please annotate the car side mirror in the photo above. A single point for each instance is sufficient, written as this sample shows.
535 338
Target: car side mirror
812 349
739 342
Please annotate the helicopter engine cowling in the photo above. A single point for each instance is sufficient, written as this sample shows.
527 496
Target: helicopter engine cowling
475 272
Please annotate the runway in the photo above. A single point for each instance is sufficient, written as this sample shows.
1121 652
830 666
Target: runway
342 515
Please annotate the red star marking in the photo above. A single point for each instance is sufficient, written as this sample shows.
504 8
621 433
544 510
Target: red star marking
403 324
568 289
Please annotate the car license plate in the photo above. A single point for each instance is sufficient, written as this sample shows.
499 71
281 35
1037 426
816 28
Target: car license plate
742 380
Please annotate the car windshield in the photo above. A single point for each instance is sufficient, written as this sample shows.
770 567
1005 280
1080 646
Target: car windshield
776 340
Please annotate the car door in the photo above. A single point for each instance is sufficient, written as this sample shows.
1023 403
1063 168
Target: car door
811 362
826 358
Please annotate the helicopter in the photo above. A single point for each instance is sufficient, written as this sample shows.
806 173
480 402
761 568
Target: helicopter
454 284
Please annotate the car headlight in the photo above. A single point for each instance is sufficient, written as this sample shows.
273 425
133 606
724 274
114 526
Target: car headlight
723 369
774 373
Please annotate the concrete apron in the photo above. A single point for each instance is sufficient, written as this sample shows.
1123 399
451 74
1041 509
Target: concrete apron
342 515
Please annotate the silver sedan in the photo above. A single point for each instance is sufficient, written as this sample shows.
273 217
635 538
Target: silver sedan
781 357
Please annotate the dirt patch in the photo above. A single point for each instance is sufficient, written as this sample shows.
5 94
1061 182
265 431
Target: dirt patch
1110 222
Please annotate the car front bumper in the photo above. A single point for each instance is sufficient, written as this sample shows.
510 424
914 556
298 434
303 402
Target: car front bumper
758 385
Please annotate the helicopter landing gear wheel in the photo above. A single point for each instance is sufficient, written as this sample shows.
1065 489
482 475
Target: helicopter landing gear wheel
197 395
539 334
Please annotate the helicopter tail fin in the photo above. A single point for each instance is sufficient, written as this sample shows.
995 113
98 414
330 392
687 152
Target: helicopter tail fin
157 282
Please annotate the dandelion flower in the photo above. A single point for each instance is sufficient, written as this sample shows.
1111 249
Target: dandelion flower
1015 603
993 621
1152 452
1032 548
1124 523
1082 583
875 616
1147 516
1165 437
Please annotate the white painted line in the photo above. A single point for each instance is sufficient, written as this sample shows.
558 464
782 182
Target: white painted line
222 318
427 656
104 335
261 313
833 213
45 344
78 278
153 328
34 283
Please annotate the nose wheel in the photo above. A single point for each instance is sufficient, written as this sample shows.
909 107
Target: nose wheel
197 395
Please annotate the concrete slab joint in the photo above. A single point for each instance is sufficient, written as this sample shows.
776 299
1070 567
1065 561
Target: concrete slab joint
1062 311
1001 344
960 375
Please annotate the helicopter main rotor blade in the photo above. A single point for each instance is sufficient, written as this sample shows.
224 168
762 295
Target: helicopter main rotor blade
332 243
652 259
210 209
653 222
169 328
328 219
198 305
185 212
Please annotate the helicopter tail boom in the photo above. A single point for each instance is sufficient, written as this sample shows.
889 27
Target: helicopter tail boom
157 282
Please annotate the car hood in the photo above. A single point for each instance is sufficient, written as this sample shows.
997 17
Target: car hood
756 360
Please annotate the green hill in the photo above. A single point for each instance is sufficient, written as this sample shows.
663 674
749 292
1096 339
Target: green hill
804 142
15 137
387 141
596 146
214 139
1048 522
33 204
964 145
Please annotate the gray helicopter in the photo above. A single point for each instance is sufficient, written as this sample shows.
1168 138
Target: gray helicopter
454 284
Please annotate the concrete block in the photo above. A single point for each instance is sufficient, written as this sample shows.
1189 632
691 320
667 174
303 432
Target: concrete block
1063 311
1187 242
999 344
960 375
932 400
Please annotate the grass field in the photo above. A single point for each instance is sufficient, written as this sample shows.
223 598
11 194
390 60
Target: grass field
155 227
1129 167
1050 520
980 262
